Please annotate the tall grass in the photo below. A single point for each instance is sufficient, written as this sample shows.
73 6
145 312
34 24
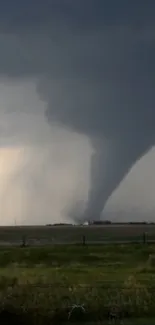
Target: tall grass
64 284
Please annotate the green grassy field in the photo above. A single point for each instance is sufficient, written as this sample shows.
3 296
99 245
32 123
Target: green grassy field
44 283
64 234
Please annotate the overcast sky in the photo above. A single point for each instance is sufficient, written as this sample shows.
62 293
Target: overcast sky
57 58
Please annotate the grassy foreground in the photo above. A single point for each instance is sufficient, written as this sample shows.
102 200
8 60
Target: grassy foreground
43 285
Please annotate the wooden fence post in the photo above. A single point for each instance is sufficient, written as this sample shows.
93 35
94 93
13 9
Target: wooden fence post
144 238
83 240
23 241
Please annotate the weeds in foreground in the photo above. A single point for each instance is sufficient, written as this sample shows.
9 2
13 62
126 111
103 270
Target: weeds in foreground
55 285
132 299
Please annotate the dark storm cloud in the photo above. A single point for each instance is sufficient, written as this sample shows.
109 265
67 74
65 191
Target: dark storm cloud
95 64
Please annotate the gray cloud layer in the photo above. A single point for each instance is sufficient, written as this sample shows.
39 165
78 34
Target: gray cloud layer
94 65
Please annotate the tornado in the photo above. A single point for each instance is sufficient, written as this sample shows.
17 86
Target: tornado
120 125
108 95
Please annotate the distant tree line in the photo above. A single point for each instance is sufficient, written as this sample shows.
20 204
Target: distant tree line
108 222
105 222
63 224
